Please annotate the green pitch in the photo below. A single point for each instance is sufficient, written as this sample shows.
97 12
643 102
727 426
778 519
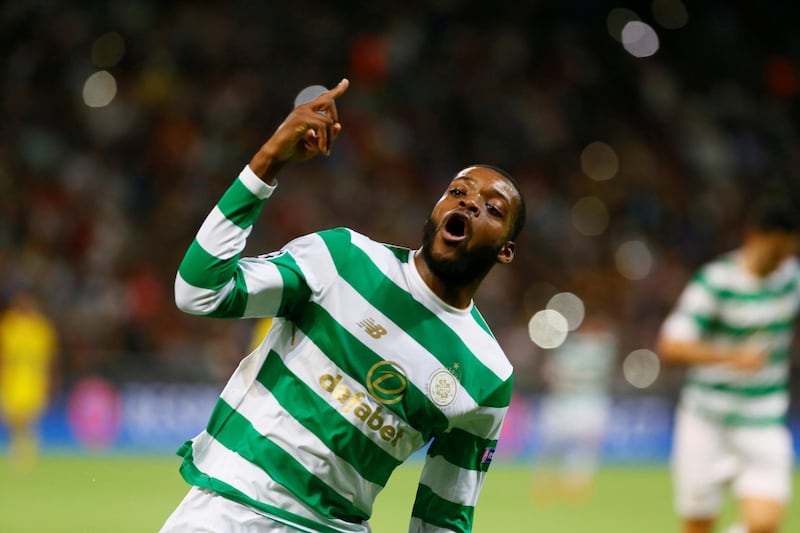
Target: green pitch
96 494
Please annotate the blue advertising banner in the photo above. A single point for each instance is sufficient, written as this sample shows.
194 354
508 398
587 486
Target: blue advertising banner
96 414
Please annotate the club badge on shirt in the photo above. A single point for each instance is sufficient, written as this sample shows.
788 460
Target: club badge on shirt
442 387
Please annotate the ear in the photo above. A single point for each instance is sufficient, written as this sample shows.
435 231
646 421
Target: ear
506 253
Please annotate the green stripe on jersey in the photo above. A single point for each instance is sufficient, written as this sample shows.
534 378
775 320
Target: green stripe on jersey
239 205
431 508
356 359
328 424
502 396
295 290
192 475
714 325
741 390
399 252
742 296
415 319
201 269
236 433
462 449
476 315
735 419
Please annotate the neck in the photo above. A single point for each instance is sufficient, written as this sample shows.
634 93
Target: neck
458 295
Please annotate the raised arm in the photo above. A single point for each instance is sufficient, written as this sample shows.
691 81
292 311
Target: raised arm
212 279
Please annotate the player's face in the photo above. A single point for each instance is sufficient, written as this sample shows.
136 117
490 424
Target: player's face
774 248
467 231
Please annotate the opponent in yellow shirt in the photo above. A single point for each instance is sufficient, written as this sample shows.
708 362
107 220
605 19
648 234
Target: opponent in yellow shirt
28 345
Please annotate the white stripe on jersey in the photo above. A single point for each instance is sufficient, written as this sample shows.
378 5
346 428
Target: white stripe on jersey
231 468
438 475
713 401
744 314
315 261
264 287
256 185
198 301
220 237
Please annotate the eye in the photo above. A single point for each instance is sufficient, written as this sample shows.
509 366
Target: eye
456 192
493 210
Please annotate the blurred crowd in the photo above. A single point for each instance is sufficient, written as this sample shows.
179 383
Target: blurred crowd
98 204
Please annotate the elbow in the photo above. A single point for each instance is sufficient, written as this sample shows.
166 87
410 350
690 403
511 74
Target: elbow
186 305
187 299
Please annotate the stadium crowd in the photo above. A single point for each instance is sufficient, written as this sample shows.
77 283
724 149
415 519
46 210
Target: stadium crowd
97 204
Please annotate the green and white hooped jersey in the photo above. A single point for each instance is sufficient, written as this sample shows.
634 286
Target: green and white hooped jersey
363 366
726 305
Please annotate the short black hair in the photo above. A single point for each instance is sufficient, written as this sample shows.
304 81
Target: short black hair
519 216
774 212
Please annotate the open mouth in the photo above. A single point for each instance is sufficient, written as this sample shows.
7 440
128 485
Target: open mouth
455 228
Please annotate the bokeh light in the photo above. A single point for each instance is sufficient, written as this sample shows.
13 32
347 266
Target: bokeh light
590 216
599 161
99 89
633 259
639 39
570 307
670 14
548 328
641 368
108 49
617 19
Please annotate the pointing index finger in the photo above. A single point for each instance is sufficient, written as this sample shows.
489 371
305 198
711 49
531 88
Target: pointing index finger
340 88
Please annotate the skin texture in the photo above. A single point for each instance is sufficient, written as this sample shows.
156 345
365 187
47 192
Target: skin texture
468 230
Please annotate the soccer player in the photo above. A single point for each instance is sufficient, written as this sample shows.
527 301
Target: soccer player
733 326
577 376
374 352
28 348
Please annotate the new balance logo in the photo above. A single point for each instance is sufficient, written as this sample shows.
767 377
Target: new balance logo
372 328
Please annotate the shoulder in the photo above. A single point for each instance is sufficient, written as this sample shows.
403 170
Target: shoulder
719 272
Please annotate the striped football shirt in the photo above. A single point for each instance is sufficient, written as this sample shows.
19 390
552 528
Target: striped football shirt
364 366
726 305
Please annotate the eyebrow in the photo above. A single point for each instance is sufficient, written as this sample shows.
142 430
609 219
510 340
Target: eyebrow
497 191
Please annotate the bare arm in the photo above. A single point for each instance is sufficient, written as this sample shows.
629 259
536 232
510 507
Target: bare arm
743 357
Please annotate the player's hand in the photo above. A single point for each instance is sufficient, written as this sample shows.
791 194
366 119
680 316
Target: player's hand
309 129
749 359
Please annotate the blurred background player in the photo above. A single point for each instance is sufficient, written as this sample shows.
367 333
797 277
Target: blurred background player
732 326
574 410
28 345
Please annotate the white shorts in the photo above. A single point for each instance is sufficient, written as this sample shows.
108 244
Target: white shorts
205 511
707 456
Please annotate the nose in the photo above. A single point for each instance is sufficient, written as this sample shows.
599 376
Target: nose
470 203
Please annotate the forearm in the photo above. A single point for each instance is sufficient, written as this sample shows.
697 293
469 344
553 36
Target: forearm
265 164
692 352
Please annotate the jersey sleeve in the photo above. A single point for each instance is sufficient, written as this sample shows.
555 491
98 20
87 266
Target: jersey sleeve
693 315
214 280
455 468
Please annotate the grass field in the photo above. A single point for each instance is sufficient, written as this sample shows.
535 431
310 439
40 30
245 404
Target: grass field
98 494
